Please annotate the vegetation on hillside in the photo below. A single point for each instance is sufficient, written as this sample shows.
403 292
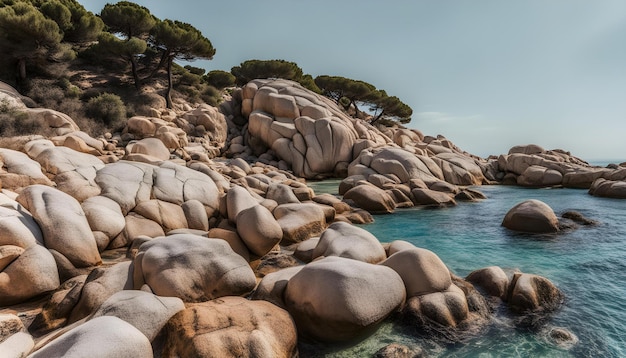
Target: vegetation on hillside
101 68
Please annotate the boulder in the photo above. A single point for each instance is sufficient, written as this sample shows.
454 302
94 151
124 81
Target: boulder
396 350
168 215
493 280
272 286
371 198
300 222
432 197
304 250
336 299
10 324
349 241
422 271
529 292
101 284
193 268
537 176
231 327
531 216
447 308
237 200
258 229
30 274
110 337
104 215
63 223
145 311
608 188
17 345
152 147
57 309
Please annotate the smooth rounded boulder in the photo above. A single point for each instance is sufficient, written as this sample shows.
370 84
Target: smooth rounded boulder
447 308
371 198
145 311
191 267
258 229
63 223
231 327
493 280
532 216
336 299
421 270
105 337
531 293
349 241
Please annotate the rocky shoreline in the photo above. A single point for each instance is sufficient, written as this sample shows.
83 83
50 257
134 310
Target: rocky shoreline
225 249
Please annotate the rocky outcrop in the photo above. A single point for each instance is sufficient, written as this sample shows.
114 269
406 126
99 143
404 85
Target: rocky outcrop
532 216
608 188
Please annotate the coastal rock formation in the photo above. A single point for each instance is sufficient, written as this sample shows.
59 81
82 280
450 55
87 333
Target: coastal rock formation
344 240
231 327
608 188
532 216
532 293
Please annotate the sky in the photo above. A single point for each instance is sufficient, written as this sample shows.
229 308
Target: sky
486 74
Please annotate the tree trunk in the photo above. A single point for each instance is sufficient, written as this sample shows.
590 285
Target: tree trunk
21 68
162 62
168 93
377 117
133 66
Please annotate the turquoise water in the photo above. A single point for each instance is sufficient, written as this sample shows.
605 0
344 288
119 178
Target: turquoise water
587 264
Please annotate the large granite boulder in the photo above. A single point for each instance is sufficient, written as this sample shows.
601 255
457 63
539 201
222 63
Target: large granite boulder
529 293
531 216
608 188
336 299
371 198
299 222
493 280
422 271
17 170
63 223
145 311
231 327
107 336
349 241
191 267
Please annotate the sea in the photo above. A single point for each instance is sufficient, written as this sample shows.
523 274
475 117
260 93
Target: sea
588 264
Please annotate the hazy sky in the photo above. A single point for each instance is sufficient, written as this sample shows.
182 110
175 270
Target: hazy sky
487 74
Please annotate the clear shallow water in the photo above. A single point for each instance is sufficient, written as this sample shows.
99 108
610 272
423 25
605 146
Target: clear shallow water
588 265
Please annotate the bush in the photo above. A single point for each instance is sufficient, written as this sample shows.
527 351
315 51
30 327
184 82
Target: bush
211 96
107 108
220 79
14 122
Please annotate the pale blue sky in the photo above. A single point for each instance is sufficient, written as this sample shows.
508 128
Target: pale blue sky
487 74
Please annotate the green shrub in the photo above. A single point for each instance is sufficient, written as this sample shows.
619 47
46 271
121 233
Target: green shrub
14 122
211 96
220 79
107 108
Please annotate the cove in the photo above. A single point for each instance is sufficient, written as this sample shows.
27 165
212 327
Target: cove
587 264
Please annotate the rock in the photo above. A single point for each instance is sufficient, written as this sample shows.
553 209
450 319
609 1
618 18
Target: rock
422 271
529 292
304 250
532 216
104 215
272 286
282 194
608 188
396 350
192 268
493 280
30 274
258 229
447 308
371 198
56 311
17 345
336 299
10 324
578 218
300 222
136 226
21 171
431 197
152 147
101 284
537 176
349 241
145 311
140 126
195 215
527 149
8 253
237 200
126 183
231 327
63 223
74 172
562 337
168 215
233 239
123 340
275 261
